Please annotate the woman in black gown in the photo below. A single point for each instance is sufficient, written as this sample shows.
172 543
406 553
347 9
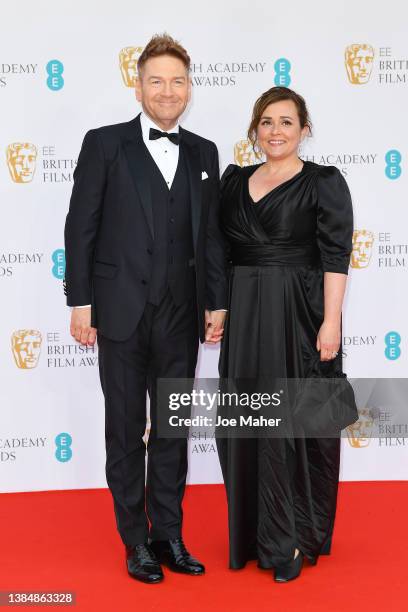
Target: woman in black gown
289 227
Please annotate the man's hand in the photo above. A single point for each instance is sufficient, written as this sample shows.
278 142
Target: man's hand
81 328
214 325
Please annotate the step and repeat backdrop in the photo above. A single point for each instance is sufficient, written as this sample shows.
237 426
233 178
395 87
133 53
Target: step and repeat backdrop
65 69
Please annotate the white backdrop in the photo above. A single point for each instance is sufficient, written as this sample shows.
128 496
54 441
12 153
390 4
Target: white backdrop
60 76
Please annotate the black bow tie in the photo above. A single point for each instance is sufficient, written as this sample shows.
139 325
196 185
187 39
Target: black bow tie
156 134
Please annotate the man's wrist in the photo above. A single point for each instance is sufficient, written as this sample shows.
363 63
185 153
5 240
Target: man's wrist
85 306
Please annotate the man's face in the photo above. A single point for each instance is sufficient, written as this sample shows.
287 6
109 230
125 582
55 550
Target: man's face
26 350
359 63
362 249
21 163
164 88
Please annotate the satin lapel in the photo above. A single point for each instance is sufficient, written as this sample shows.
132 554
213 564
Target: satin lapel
136 154
191 153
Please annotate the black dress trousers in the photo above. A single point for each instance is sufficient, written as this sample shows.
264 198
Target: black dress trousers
164 345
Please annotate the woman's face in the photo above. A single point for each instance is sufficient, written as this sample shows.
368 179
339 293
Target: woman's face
279 132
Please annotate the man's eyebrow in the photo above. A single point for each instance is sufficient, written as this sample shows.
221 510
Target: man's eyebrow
176 77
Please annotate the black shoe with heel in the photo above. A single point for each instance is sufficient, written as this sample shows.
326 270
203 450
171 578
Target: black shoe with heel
290 570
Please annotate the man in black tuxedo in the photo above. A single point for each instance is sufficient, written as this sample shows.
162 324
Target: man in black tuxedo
145 269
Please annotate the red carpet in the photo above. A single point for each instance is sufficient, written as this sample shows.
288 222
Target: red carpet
59 541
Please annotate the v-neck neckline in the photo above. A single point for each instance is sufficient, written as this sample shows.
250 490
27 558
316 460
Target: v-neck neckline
255 203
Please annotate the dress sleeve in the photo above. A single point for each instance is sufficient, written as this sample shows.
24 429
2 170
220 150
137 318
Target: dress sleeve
230 171
334 220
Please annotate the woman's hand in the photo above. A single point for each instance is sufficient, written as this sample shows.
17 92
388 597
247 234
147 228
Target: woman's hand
214 325
328 340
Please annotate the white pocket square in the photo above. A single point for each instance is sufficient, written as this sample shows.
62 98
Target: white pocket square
204 175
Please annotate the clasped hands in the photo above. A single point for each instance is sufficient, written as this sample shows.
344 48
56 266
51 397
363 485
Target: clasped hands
214 325
82 331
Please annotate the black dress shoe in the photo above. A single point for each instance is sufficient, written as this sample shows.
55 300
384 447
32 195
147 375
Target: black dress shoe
289 571
174 554
142 564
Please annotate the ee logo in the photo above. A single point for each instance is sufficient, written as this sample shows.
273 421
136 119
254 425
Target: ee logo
63 443
393 167
282 68
55 80
58 258
392 342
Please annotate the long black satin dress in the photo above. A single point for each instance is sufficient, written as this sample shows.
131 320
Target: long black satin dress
281 496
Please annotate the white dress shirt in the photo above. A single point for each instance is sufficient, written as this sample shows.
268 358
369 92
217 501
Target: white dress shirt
164 152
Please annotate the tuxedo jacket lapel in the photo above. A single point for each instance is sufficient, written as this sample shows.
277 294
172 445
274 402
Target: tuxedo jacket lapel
136 154
191 153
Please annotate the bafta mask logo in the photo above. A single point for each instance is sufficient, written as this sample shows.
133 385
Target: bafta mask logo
128 64
26 347
359 433
244 154
359 63
362 248
21 159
